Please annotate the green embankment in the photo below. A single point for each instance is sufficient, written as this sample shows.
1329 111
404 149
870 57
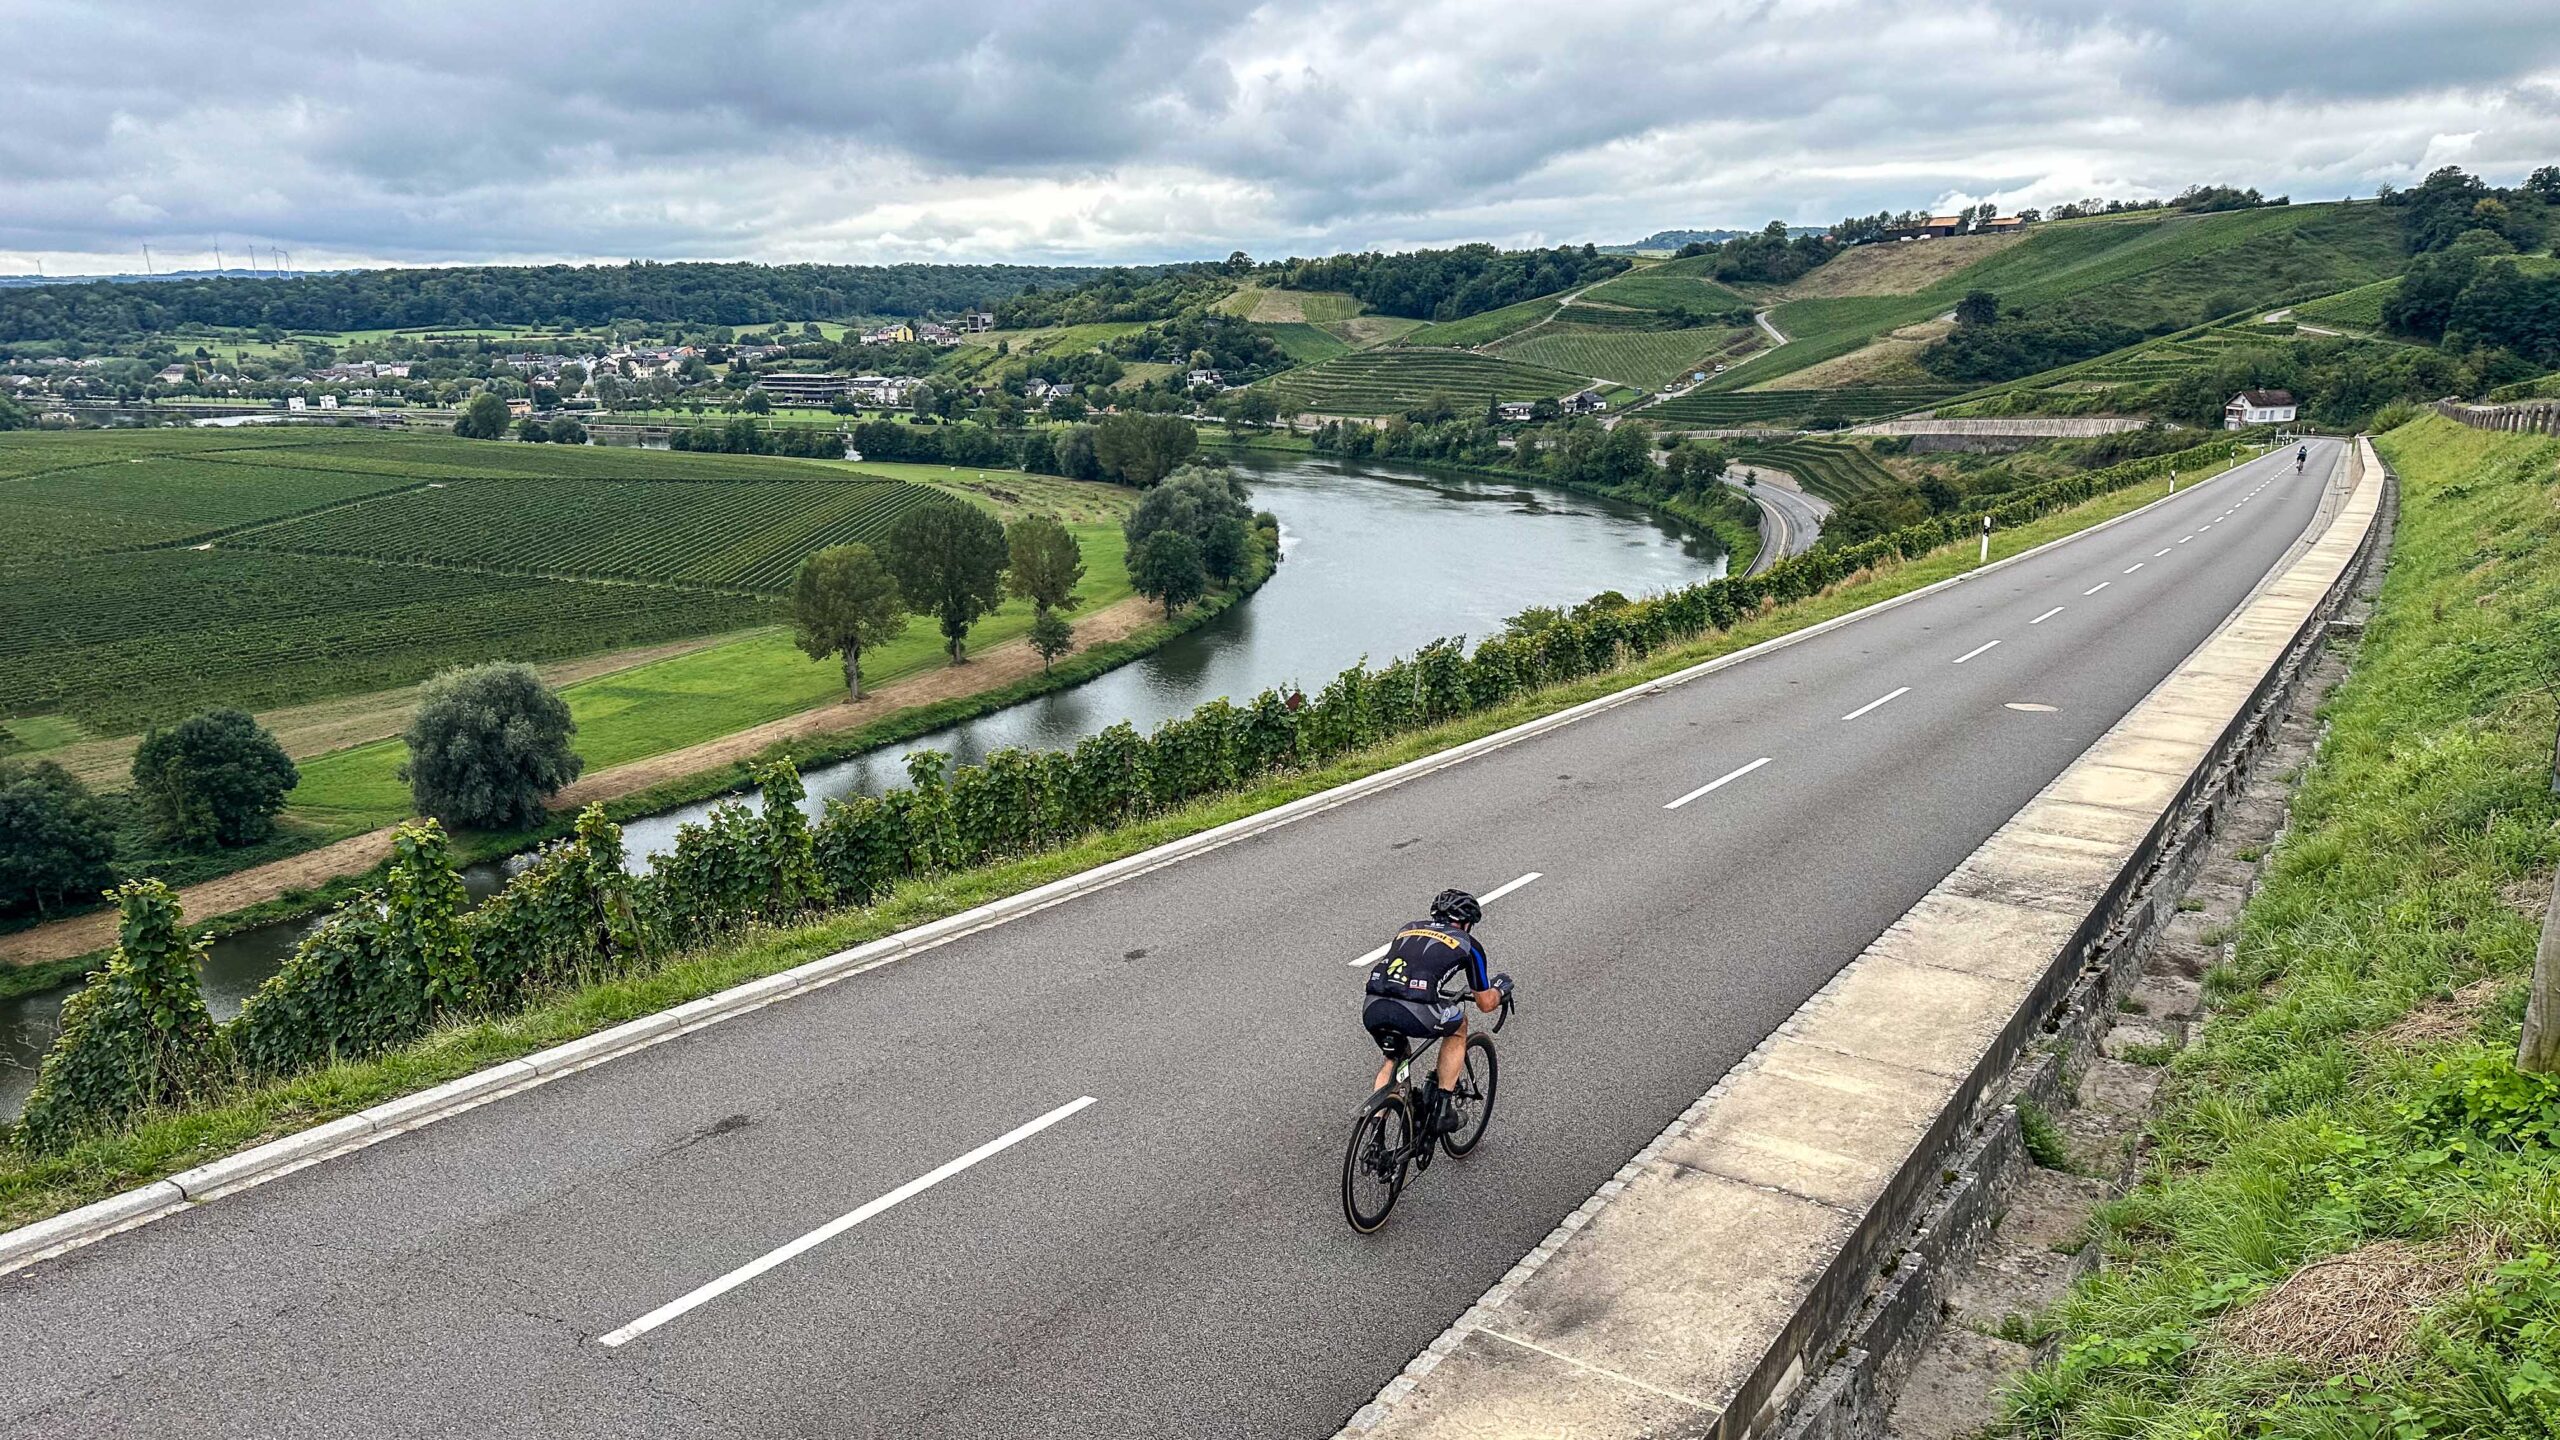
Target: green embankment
1837 472
2354 1098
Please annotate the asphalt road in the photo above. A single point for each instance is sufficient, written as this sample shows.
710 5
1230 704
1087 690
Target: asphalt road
1790 520
1169 1259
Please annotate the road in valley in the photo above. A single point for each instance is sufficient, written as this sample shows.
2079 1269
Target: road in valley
1790 517
1076 1174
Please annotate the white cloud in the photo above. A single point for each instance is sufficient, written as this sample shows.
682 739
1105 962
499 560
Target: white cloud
1047 129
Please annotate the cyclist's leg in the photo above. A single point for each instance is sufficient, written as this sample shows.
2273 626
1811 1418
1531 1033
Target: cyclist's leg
1453 1054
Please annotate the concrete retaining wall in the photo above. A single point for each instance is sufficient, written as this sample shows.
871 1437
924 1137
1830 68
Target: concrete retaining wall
1701 1288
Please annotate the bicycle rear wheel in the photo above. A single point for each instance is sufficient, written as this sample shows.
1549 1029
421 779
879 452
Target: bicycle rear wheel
1475 1096
1373 1165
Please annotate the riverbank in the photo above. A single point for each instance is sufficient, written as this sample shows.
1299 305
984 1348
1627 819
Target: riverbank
2344 1224
32 1185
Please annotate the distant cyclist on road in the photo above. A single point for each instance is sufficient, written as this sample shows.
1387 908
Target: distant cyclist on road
1420 989
2301 457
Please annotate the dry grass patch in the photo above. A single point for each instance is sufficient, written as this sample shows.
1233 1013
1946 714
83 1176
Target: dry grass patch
2444 1018
1892 359
2357 1306
1897 268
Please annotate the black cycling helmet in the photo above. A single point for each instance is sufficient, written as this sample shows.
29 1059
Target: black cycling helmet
1457 907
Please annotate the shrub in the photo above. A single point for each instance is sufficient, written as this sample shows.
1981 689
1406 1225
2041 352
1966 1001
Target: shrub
136 1036
487 746
55 839
484 418
218 778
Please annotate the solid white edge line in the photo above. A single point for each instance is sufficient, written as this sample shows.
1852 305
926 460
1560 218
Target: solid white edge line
1718 783
1487 898
1976 650
72 1229
1896 695
2094 589
824 1233
2049 614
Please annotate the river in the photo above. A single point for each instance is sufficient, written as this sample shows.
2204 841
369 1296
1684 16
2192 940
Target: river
1376 560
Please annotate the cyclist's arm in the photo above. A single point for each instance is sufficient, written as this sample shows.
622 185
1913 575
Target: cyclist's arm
1480 976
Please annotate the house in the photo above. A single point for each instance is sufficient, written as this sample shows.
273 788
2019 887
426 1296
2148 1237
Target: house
1584 402
787 388
886 391
1515 410
2258 407
171 375
978 322
1042 391
2004 225
293 402
897 333
1942 225
328 402
1205 377
933 334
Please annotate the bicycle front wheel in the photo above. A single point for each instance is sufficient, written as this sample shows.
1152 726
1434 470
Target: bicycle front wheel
1373 1165
1475 1096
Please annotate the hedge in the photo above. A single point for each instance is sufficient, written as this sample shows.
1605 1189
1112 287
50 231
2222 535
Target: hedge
386 967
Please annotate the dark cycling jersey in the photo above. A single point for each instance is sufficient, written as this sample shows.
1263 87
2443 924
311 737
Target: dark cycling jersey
1422 958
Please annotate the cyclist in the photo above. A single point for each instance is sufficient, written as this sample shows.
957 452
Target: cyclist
1419 990
2301 457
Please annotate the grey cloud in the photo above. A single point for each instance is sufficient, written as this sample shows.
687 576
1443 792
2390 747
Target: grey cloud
1167 128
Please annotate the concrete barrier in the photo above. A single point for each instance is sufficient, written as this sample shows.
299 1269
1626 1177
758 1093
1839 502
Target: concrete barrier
1702 1287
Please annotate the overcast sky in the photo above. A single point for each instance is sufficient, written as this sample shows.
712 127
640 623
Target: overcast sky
1087 130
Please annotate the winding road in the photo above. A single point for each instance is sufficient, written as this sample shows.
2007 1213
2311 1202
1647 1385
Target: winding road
1075 1173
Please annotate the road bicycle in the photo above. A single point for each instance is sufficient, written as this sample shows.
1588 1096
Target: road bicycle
1391 1141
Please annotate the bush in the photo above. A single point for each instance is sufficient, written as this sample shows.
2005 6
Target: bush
137 1035
488 746
218 778
484 418
55 839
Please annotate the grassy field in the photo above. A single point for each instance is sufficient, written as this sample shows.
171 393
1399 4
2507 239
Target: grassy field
1488 327
2353 1101
2357 309
1644 359
1290 307
1374 382
757 677
236 604
1660 287
2157 272
1307 344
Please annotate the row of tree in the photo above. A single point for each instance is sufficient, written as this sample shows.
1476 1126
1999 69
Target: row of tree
1450 284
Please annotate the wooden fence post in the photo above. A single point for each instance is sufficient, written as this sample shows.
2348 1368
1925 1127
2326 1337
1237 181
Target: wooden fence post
2538 1052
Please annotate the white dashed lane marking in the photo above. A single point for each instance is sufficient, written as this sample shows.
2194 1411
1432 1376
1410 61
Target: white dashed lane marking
1718 783
1976 650
1882 699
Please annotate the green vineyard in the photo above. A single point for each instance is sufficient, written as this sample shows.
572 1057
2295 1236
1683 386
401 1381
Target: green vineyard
130 503
1836 472
1376 382
1791 407
739 534
1645 359
163 632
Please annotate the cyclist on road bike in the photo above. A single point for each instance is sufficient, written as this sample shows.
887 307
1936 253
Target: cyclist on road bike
1420 989
2301 457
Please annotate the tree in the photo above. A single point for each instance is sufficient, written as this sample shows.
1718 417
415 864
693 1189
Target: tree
757 402
484 418
1143 449
949 560
1051 636
55 839
1978 307
566 431
14 416
532 431
1167 568
843 600
1045 563
1223 555
1191 503
212 779
489 745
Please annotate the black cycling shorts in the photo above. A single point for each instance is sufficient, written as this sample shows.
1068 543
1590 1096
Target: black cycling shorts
1391 1022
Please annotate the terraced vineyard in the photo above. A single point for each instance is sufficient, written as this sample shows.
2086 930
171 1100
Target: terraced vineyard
744 535
1836 472
2357 309
121 641
1718 410
1661 287
1644 359
2168 359
1376 382
1490 326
